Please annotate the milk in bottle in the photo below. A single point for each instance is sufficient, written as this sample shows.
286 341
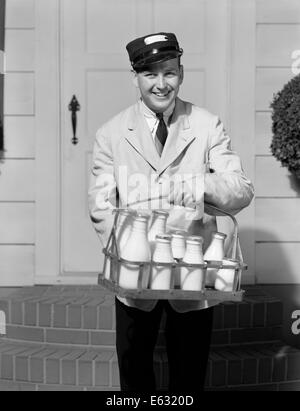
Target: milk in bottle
122 232
225 278
178 250
161 276
158 226
192 278
123 228
214 252
136 249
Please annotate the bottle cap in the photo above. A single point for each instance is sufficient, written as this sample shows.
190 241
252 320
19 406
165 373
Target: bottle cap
142 216
178 233
195 239
161 213
163 237
219 235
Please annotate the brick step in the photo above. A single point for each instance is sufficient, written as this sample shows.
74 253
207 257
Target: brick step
90 307
254 367
85 316
60 307
51 367
106 338
6 385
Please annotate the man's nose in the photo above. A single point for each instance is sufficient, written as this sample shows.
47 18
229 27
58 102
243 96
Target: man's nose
161 82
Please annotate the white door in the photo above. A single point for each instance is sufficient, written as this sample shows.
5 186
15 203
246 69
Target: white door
95 68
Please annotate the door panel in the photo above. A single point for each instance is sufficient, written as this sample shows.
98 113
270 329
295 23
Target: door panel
96 69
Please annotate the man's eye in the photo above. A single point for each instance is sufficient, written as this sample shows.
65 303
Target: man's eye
149 74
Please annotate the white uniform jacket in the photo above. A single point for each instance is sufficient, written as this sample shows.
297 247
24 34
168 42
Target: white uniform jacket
126 167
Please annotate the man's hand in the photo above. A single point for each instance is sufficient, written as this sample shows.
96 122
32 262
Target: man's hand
187 192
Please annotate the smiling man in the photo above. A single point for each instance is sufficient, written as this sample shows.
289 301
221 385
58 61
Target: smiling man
159 84
161 139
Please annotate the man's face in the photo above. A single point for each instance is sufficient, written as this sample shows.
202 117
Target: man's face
159 84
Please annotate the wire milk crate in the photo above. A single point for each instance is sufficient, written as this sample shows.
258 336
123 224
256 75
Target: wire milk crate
113 262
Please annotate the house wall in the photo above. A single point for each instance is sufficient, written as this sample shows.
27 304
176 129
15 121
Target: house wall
277 200
17 179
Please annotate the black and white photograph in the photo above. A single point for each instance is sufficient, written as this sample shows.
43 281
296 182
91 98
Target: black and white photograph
149 198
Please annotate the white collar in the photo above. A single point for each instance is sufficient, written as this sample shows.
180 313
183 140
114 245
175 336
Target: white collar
151 115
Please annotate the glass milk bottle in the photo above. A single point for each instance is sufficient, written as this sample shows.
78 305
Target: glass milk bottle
161 276
191 278
123 229
158 226
178 250
214 252
136 249
178 244
225 278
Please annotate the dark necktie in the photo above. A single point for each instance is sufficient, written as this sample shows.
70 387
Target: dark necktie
161 134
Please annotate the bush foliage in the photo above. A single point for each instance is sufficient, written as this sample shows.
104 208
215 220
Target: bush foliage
285 144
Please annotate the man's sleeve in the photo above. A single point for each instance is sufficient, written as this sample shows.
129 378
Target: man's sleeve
103 190
226 185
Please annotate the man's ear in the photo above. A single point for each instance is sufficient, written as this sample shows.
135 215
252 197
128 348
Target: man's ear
181 74
135 78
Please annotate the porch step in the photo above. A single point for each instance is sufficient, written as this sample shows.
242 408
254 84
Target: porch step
44 366
85 316
61 315
262 367
41 367
63 338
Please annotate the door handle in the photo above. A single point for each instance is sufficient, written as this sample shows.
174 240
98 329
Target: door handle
74 106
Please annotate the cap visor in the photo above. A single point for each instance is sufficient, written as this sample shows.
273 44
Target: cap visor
157 58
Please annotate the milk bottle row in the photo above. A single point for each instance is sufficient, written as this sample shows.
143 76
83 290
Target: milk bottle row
141 238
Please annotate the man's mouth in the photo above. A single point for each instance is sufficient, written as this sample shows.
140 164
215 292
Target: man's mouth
162 95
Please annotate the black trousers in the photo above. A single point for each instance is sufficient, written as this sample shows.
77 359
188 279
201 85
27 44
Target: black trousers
188 338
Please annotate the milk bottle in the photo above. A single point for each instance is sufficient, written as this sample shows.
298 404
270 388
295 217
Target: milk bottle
136 249
225 277
178 250
214 252
161 275
191 278
178 244
158 226
123 229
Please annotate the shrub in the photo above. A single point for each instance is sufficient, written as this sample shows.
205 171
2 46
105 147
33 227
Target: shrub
285 144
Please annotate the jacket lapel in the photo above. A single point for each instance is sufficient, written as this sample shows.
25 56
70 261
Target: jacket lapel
180 136
139 136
